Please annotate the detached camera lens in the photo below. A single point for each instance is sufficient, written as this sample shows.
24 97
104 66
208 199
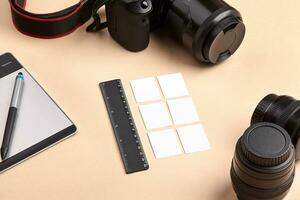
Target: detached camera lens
263 166
212 30
281 110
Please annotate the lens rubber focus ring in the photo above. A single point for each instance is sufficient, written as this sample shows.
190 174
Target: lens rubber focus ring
262 107
247 192
290 110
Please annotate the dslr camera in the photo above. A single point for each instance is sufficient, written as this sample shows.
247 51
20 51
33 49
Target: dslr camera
211 30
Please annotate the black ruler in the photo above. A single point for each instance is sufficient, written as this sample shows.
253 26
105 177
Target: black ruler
127 137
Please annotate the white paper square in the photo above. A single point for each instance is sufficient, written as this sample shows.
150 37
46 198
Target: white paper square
193 138
164 143
145 90
173 85
183 111
155 115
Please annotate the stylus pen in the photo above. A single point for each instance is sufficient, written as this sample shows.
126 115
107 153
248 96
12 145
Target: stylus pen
12 114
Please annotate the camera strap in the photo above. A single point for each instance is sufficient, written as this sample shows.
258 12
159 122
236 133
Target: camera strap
57 24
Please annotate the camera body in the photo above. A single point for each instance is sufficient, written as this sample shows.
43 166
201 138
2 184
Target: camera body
129 23
211 29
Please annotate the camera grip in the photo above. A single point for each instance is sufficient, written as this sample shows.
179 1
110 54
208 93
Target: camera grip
128 23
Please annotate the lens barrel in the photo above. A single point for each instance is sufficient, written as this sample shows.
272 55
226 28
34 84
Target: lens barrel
212 30
263 166
281 110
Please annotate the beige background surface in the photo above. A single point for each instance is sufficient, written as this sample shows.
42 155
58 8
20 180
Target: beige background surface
88 165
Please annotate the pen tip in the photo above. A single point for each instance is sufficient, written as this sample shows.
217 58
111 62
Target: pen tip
3 153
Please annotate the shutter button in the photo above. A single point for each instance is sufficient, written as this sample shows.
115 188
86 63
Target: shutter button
144 4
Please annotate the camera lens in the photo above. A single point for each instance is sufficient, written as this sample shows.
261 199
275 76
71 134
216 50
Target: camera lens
281 110
212 30
263 166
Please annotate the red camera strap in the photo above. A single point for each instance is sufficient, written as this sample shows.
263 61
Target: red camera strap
51 25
